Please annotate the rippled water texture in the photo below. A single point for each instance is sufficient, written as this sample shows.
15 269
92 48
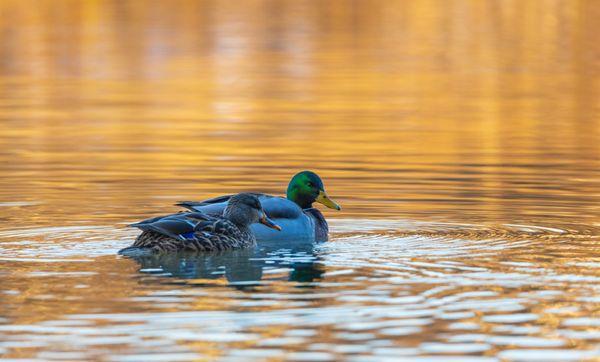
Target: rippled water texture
462 139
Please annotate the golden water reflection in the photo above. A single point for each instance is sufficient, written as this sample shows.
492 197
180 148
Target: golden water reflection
462 139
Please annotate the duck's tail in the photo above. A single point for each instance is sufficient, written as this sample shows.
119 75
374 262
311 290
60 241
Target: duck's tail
136 252
193 205
190 205
151 242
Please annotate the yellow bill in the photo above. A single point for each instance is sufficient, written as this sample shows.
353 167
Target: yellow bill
325 200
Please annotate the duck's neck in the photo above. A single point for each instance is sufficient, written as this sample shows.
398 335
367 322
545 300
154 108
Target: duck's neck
300 198
243 228
241 224
246 233
236 216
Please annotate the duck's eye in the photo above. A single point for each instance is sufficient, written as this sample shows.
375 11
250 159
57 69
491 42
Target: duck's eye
310 184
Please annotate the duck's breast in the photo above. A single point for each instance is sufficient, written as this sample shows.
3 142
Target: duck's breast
295 224
301 228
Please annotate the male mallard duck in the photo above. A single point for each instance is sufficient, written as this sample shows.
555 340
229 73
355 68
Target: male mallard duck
197 231
296 215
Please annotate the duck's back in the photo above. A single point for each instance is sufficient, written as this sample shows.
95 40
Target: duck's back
182 232
294 222
276 207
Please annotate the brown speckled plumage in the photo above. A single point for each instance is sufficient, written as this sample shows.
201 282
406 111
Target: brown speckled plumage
215 235
200 232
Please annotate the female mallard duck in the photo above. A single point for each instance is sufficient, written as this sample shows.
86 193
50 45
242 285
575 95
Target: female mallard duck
296 215
197 231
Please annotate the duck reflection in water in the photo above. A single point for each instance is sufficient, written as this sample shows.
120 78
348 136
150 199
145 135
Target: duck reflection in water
241 266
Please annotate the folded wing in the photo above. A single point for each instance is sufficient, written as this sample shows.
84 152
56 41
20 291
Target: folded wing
275 207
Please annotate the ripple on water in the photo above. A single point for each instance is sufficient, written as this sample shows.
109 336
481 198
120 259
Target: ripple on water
380 290
548 355
62 244
511 318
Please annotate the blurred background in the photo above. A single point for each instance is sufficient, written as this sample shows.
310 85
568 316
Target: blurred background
451 109
462 139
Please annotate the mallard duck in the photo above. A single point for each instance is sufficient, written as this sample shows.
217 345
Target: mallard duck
198 231
295 214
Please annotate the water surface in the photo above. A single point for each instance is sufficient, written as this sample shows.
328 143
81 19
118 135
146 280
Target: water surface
461 138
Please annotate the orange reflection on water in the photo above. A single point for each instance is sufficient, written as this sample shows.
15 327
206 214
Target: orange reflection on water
478 112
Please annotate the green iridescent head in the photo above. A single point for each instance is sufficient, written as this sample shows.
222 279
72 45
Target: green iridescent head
305 188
